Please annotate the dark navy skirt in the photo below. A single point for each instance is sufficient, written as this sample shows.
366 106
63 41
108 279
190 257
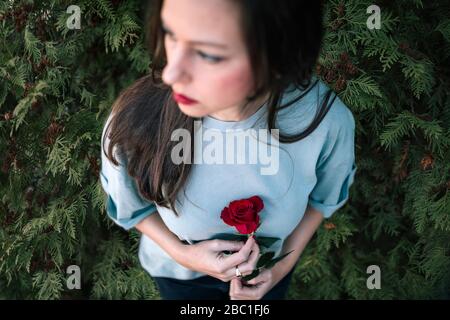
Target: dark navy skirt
210 288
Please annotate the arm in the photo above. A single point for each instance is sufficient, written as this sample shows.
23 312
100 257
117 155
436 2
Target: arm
297 241
204 256
155 228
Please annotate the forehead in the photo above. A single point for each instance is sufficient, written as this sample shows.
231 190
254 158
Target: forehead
203 20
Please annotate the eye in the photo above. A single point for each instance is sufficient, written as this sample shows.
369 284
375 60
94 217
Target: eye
209 58
166 32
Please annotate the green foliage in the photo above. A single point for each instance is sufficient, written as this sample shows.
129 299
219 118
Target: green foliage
396 81
57 87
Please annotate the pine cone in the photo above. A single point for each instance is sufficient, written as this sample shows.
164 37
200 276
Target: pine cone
34 266
17 164
352 69
330 76
36 105
28 87
52 133
403 173
126 265
319 69
344 57
94 166
48 265
29 212
329 226
42 200
336 24
27 7
341 9
5 166
340 84
9 219
20 18
8 116
427 162
45 61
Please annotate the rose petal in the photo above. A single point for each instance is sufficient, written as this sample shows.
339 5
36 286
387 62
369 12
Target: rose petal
258 204
237 205
243 214
225 215
242 228
252 227
246 217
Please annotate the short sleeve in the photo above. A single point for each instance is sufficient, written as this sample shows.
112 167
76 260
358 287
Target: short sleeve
124 205
336 168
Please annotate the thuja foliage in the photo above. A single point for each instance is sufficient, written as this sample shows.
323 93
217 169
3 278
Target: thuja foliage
58 85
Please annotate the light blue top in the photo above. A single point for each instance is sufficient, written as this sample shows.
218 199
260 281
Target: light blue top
317 170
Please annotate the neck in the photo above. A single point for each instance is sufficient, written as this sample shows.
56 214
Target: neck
239 113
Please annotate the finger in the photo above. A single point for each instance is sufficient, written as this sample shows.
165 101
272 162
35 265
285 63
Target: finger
224 245
239 257
261 278
256 280
247 267
247 293
235 284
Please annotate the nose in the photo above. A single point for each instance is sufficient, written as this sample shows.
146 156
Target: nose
176 69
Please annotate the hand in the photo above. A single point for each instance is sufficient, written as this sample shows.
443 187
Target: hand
253 289
208 257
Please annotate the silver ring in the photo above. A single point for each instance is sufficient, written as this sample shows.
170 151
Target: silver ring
238 272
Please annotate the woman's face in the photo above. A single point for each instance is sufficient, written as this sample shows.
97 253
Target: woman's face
207 60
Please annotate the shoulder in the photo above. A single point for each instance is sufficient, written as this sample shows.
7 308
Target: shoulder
302 112
339 114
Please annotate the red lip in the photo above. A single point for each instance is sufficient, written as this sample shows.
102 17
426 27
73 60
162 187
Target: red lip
183 99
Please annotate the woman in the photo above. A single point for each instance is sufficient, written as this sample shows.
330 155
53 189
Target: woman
227 66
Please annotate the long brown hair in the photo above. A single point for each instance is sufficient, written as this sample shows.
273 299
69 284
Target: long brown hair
283 39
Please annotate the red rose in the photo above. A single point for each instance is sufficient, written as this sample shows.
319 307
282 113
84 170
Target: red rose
243 214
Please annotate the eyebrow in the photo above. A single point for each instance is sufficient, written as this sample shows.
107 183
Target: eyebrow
200 43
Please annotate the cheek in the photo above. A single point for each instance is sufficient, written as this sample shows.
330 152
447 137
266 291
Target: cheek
231 86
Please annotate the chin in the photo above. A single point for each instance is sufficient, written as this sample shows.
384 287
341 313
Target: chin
190 112
193 114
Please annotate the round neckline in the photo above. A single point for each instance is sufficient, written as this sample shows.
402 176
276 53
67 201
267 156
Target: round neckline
213 123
